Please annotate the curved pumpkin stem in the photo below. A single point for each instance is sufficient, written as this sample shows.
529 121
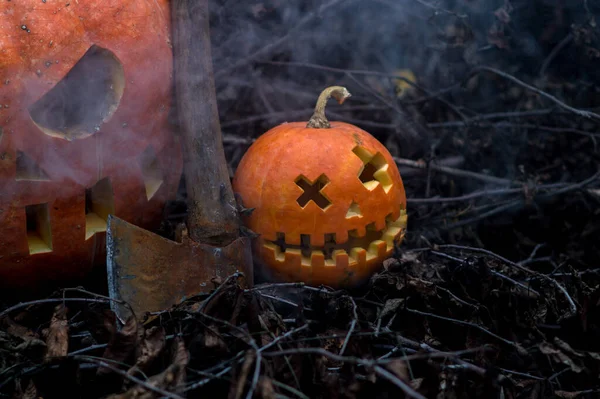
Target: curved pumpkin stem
318 119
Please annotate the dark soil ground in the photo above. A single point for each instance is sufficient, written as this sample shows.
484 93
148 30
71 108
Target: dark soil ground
494 292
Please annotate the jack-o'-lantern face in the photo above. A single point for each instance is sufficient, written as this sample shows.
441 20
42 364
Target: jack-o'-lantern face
85 92
329 203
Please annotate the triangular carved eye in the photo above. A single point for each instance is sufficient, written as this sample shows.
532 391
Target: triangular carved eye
151 172
28 169
353 211
84 99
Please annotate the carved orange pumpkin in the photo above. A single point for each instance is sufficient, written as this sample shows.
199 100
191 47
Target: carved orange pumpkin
85 92
328 197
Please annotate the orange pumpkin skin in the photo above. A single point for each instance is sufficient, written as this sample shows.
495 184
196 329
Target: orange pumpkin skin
130 163
365 218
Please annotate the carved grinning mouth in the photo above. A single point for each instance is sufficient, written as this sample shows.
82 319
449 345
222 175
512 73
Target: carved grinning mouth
374 244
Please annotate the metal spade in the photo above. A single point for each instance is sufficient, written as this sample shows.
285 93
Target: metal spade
152 273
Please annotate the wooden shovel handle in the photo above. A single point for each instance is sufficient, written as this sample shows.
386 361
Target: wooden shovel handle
212 214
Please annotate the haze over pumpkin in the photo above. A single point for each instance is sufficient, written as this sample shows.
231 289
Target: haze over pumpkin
85 89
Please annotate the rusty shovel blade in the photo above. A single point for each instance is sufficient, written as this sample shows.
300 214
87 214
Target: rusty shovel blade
152 273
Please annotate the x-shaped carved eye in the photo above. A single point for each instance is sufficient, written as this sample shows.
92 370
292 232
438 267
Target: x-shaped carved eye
312 191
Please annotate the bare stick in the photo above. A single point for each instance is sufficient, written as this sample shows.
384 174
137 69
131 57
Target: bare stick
485 193
495 273
352 326
547 128
499 209
572 305
349 72
458 299
466 197
219 288
455 172
586 114
258 359
84 291
255 377
475 121
270 48
7 311
521 374
466 323
434 354
129 376
562 44
282 337
407 389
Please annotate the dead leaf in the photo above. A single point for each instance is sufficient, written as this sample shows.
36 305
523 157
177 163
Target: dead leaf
238 388
594 355
240 303
421 286
29 393
29 338
401 86
503 13
497 38
416 383
566 347
171 380
122 344
17 330
264 338
266 388
215 301
213 340
258 10
390 307
594 192
101 324
334 342
398 367
150 348
568 395
181 358
558 356
57 337
110 323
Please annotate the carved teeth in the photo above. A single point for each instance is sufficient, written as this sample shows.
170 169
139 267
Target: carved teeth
359 255
380 225
377 249
341 258
390 235
317 259
294 257
277 253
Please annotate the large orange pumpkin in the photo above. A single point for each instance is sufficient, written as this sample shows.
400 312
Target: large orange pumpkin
85 92
328 197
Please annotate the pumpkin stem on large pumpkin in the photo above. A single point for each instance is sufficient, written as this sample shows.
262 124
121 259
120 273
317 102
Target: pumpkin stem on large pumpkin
318 119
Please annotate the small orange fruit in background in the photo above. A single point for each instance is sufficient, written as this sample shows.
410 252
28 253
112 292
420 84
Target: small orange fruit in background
329 202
